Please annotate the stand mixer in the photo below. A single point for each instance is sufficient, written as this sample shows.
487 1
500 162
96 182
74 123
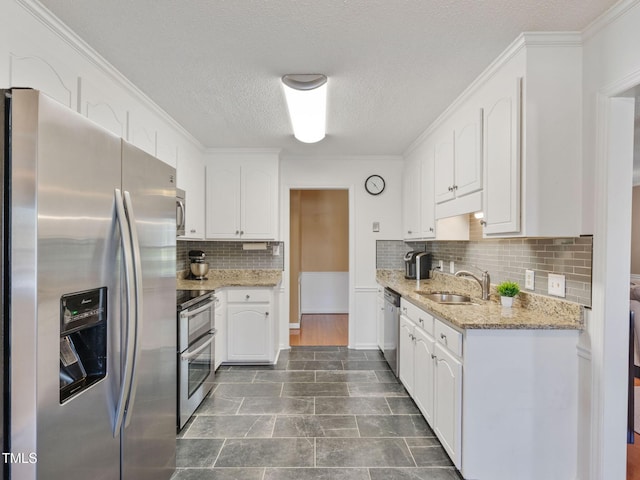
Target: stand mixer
199 268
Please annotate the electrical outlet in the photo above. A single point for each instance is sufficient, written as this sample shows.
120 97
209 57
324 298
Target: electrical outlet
556 285
452 267
441 265
276 250
529 279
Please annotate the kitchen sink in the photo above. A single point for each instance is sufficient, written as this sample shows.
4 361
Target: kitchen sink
447 298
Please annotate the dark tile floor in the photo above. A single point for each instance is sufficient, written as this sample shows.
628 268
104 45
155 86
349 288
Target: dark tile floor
321 413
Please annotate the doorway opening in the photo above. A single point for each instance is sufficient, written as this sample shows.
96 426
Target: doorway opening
319 267
633 449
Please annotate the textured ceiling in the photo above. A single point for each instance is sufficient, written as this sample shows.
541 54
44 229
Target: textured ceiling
393 65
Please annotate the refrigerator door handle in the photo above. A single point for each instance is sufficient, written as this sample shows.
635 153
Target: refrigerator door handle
127 253
137 270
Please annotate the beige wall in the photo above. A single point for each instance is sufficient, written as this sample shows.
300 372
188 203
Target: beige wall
319 236
635 232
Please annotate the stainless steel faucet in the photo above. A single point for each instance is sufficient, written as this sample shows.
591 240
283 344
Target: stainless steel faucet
485 283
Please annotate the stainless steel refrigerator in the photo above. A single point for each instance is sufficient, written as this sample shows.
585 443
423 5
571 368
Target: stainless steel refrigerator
88 315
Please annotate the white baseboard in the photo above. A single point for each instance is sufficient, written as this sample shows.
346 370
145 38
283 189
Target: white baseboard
293 326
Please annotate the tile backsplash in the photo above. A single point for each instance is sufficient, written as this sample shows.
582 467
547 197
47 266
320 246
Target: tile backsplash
231 255
507 259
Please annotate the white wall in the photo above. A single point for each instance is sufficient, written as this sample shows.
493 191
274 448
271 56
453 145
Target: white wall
611 64
350 173
38 51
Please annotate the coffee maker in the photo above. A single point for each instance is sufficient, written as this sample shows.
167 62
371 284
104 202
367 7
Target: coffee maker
199 268
410 264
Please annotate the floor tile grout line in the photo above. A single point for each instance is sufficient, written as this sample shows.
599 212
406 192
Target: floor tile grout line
410 452
219 452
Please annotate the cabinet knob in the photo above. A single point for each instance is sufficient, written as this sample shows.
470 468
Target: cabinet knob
443 337
266 314
433 357
421 321
248 297
483 223
455 187
450 189
409 232
193 230
431 229
237 232
241 232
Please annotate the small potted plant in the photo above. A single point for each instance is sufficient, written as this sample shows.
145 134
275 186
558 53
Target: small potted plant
507 290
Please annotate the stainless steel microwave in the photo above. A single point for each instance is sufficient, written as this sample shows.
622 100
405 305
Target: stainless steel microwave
180 212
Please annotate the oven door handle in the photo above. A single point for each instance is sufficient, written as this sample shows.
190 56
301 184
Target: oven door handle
194 353
191 313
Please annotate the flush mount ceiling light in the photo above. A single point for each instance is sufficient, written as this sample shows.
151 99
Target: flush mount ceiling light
307 101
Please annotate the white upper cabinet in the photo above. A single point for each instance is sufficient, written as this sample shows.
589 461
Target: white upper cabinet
418 196
510 144
458 157
411 199
444 179
242 197
502 157
532 112
190 178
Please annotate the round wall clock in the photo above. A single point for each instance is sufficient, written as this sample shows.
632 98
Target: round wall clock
374 184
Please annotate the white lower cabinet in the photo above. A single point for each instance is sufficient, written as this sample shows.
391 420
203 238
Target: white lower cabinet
447 417
432 374
518 395
423 379
220 316
380 318
250 326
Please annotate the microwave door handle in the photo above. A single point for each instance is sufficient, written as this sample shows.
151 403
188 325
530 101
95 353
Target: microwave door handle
127 254
191 313
137 270
194 353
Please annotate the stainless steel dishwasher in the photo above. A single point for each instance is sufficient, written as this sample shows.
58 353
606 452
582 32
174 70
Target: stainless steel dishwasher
391 328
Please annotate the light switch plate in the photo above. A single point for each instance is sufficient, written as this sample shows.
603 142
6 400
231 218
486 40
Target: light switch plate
556 285
529 279
376 226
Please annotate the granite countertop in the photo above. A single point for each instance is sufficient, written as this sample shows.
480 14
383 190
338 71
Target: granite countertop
530 311
231 278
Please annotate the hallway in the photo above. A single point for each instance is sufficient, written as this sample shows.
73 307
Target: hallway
321 330
321 413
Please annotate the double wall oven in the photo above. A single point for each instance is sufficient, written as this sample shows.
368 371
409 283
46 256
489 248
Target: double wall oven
196 350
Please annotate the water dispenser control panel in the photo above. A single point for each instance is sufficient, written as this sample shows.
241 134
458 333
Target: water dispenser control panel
83 340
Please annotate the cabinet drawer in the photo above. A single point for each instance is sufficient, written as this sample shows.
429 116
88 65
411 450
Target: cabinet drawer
249 296
448 337
421 318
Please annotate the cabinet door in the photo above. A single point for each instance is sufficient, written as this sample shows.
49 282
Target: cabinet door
220 322
427 200
501 196
249 333
448 402
223 200
424 362
468 153
380 318
259 200
411 198
406 347
443 159
191 178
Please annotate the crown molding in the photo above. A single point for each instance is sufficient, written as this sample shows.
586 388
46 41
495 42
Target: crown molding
608 17
55 25
525 39
241 151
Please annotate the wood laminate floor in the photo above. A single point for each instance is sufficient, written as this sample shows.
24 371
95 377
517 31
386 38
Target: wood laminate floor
321 330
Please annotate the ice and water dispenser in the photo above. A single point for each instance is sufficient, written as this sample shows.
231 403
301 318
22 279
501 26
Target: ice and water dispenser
83 340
